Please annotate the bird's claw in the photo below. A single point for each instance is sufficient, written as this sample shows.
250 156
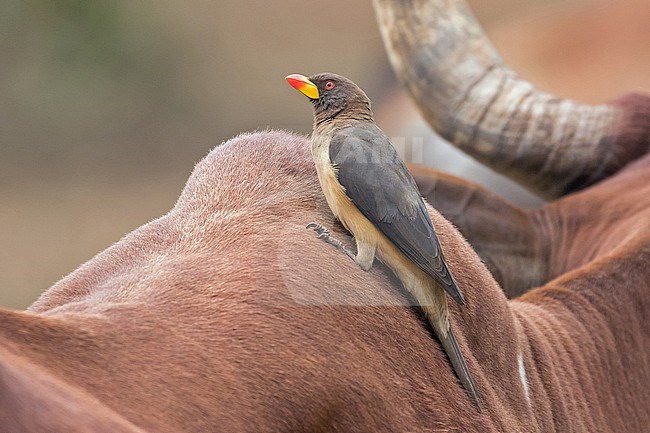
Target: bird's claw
324 235
319 229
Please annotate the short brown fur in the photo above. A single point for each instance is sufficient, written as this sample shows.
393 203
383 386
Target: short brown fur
215 317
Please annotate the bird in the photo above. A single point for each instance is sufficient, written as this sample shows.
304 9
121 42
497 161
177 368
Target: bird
370 191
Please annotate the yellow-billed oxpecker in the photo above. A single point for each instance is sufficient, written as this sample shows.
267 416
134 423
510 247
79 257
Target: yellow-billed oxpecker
369 189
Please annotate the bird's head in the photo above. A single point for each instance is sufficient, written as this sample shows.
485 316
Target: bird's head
333 96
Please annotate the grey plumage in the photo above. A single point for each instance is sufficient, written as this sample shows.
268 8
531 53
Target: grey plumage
369 189
379 184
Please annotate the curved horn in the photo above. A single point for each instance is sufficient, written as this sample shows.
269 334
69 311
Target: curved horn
469 96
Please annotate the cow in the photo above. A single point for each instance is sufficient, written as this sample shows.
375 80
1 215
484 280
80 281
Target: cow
226 314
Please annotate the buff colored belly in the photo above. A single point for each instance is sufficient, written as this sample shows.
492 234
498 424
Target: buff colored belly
361 228
341 205
364 231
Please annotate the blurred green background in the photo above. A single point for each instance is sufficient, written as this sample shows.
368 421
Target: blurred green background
106 106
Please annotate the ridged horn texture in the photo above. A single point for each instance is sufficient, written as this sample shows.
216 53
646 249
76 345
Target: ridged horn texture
550 145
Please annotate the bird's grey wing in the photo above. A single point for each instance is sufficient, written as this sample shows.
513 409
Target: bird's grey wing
377 181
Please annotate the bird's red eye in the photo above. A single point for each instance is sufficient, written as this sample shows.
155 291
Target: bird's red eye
329 85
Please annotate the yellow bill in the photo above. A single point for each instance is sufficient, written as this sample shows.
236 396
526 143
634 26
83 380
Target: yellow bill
302 83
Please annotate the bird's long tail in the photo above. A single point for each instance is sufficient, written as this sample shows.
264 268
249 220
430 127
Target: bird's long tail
433 302
449 343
